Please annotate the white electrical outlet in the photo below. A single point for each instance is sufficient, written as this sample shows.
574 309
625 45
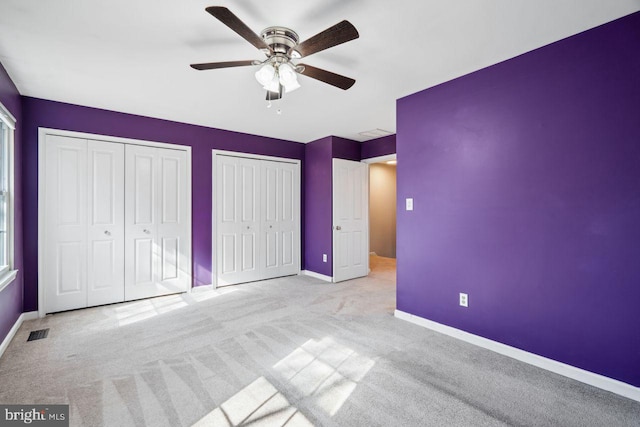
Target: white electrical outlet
464 300
324 257
409 204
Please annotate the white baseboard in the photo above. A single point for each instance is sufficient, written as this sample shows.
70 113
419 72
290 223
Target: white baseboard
317 275
32 315
203 288
587 377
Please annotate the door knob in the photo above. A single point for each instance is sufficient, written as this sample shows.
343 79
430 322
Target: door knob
271 226
146 231
338 228
107 232
248 227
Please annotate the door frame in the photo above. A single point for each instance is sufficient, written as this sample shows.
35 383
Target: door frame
379 159
42 135
214 230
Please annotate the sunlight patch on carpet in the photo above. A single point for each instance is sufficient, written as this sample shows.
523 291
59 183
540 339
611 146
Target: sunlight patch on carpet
325 370
259 403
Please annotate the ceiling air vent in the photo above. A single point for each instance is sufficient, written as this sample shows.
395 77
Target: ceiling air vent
375 133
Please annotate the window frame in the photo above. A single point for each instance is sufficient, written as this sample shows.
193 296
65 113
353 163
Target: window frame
7 272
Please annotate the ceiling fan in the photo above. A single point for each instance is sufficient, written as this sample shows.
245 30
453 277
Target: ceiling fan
278 74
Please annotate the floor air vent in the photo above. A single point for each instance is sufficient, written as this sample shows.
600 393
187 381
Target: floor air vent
38 335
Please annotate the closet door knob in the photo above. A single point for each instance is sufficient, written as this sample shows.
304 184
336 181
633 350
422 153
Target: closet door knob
107 232
146 231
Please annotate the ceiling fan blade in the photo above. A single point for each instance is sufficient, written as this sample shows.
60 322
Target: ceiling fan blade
327 76
340 33
214 65
225 16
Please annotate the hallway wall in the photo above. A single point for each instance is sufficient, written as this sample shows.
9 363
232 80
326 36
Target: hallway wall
382 209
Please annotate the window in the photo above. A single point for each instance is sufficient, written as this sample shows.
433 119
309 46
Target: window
7 126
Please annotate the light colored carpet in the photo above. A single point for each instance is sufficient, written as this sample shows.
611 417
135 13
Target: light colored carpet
294 351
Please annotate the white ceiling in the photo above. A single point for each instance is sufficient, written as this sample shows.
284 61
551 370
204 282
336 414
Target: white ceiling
133 55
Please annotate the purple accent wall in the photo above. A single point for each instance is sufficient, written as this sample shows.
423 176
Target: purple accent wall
379 147
57 115
317 205
11 297
526 185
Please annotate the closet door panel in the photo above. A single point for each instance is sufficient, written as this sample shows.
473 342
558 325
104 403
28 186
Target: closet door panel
237 220
249 226
65 263
271 201
289 219
158 260
173 250
141 174
106 223
282 189
226 210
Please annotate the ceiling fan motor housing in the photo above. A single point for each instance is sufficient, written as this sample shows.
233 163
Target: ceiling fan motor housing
281 40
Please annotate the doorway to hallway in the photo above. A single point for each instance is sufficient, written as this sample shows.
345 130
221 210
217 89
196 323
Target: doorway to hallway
382 216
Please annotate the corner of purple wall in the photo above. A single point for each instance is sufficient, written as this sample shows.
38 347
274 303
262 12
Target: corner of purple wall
12 297
317 205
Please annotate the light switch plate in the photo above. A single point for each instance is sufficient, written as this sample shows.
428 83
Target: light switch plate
324 257
409 204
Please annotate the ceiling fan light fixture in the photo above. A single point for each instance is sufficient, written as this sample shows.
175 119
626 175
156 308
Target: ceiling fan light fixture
288 77
290 87
273 85
266 74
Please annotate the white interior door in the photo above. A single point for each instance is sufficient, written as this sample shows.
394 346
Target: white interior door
280 218
105 232
157 256
350 220
238 225
65 263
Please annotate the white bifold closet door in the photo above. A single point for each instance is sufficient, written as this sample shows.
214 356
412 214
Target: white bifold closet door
257 210
84 225
156 254
115 223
